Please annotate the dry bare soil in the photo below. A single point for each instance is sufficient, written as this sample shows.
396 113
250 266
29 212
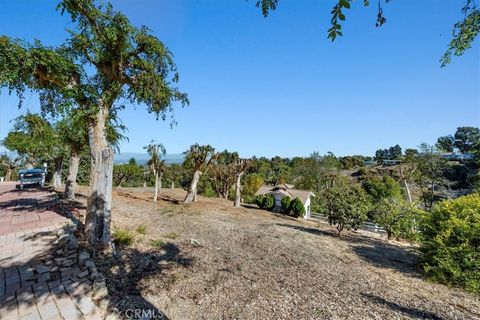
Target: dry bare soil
211 261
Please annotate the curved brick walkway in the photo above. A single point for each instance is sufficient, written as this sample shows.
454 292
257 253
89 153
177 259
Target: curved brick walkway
38 280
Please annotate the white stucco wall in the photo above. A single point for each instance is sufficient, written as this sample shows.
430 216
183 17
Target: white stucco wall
307 208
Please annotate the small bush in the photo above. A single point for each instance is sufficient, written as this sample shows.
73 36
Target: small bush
451 242
171 235
124 237
269 202
141 229
296 207
286 204
157 243
259 200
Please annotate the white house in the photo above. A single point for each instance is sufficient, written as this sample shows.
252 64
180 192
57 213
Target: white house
287 190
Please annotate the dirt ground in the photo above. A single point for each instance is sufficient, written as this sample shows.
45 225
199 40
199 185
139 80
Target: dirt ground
211 261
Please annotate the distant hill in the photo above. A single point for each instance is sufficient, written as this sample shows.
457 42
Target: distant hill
142 158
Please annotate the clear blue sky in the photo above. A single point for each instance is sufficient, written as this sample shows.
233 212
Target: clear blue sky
277 86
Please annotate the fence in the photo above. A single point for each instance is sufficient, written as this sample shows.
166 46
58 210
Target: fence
368 226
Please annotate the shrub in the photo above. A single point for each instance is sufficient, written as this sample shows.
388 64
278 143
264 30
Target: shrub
451 242
259 200
286 204
171 235
141 229
296 207
380 188
157 243
269 202
124 237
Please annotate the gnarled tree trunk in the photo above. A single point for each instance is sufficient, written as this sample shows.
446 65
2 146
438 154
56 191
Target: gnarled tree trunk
238 190
192 190
172 184
97 220
57 173
71 182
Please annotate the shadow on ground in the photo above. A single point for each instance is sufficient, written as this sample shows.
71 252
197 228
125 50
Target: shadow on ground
26 203
128 270
375 251
398 308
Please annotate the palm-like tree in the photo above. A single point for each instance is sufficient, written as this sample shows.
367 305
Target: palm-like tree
156 163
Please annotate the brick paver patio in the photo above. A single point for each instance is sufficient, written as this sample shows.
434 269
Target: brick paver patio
38 279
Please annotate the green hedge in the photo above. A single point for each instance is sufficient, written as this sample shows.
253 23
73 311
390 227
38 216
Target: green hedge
269 202
286 204
297 209
451 242
259 201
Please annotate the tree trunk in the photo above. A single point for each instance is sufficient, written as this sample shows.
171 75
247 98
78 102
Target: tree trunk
389 234
97 220
405 184
144 184
160 177
8 174
155 192
72 175
238 190
192 190
172 185
57 173
407 189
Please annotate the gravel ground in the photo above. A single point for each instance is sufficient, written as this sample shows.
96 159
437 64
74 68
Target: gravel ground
211 261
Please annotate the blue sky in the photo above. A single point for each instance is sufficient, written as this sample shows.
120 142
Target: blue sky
277 86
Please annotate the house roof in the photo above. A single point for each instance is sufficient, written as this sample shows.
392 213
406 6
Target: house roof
286 190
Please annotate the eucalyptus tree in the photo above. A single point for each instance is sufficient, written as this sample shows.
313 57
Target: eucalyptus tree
35 139
157 164
464 31
240 167
197 160
222 171
73 131
124 62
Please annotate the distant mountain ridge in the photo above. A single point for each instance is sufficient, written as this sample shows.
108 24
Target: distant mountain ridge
142 158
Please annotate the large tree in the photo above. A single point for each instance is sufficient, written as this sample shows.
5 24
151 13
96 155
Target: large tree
464 32
36 140
197 160
124 62
466 139
446 143
156 152
73 131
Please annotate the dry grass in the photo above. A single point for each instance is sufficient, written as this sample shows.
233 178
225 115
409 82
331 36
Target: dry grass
252 264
